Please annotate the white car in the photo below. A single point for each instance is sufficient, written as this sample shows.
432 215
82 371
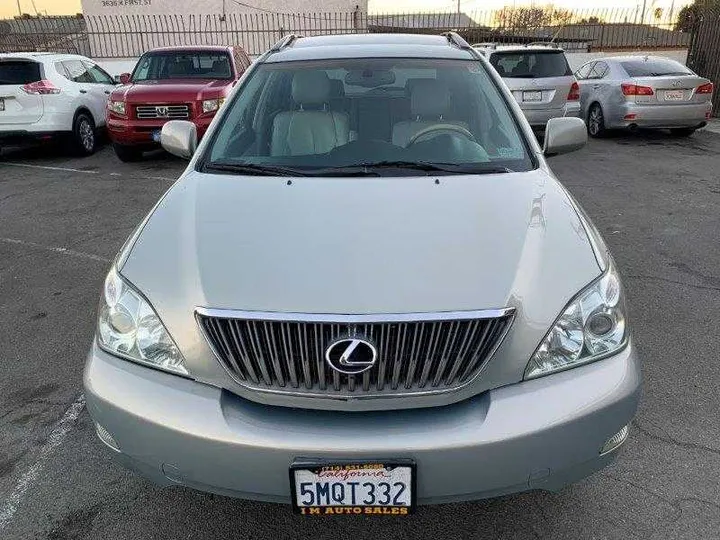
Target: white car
47 95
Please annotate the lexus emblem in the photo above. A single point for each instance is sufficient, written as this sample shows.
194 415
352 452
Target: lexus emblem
351 356
162 111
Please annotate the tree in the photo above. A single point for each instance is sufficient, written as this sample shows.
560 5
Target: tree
532 17
690 14
591 20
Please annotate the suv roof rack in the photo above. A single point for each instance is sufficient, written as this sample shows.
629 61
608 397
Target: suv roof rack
457 40
284 42
552 44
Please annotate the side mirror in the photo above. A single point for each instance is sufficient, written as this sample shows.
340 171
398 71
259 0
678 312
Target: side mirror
124 78
179 137
563 135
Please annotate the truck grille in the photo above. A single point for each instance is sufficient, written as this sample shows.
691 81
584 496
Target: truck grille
162 111
420 353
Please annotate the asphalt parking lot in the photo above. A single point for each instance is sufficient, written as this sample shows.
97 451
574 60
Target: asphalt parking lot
655 198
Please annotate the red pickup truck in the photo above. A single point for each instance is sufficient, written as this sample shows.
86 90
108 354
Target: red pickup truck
171 83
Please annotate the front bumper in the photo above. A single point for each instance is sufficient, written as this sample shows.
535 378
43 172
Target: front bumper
661 116
539 117
539 434
133 132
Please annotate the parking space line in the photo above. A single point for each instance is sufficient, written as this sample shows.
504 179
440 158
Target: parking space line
55 439
61 250
47 167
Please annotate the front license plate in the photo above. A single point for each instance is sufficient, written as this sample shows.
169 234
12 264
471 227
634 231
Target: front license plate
532 96
2 104
674 95
379 488
156 135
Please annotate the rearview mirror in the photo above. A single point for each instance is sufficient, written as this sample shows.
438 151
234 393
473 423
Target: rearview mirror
124 78
563 135
179 137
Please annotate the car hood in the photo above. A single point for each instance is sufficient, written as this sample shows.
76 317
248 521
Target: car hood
364 246
171 90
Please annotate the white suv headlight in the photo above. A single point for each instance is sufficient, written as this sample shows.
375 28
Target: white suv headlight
591 327
129 327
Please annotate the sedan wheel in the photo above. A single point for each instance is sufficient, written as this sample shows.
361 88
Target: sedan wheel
596 121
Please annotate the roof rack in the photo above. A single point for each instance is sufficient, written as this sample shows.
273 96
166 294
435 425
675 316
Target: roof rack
552 44
457 40
284 42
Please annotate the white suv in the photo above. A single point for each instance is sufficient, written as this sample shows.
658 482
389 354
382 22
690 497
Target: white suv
49 95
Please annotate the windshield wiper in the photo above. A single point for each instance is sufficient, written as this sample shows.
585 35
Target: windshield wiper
252 169
518 76
372 169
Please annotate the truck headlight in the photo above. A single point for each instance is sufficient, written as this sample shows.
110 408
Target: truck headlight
118 107
591 327
211 105
129 327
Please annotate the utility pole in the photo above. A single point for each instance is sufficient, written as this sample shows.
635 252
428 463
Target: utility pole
19 8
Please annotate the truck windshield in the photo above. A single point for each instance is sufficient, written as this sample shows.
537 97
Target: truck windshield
183 65
385 116
530 64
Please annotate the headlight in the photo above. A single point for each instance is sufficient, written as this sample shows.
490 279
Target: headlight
118 107
210 105
591 327
128 327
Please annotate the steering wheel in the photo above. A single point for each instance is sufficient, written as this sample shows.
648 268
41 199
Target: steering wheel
453 128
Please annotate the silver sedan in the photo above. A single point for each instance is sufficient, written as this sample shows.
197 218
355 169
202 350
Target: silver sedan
630 92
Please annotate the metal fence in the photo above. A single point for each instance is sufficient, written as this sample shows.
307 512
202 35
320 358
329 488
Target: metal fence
704 51
126 36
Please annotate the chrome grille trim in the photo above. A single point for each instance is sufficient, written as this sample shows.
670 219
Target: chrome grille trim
144 112
420 353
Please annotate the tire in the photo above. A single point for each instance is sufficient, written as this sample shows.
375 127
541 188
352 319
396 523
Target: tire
682 132
127 154
84 138
596 121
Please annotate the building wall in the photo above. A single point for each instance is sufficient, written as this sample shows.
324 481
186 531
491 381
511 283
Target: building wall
179 7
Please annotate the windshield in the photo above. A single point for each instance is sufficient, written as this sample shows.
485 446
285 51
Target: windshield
654 67
530 64
183 65
368 116
19 72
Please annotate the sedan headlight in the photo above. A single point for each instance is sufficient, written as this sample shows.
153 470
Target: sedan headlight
591 327
118 107
129 327
211 105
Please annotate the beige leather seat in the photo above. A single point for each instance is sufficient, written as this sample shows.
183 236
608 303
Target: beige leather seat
312 128
429 102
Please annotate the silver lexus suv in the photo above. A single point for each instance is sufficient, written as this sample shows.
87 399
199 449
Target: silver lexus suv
539 78
366 292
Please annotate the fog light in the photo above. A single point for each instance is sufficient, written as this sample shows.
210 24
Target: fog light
104 435
616 440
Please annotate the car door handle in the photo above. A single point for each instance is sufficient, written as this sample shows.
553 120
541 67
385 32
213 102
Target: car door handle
108 92
596 86
83 91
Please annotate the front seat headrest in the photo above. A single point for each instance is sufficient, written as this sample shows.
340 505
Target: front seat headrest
311 88
429 97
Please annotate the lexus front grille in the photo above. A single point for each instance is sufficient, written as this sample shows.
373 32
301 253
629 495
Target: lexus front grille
415 353
162 111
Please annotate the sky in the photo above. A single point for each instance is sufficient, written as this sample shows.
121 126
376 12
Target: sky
8 8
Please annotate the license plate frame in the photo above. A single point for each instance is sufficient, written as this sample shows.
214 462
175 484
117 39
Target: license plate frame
2 104
674 95
532 96
315 466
